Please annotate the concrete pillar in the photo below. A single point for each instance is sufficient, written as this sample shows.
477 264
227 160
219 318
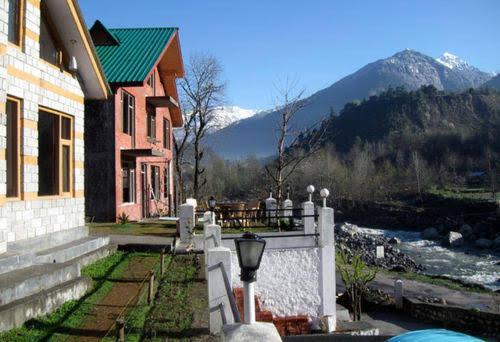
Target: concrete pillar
398 293
208 218
271 206
380 252
308 220
186 222
287 207
211 237
327 284
219 284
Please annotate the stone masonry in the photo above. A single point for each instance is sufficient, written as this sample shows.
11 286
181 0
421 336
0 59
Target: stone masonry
36 83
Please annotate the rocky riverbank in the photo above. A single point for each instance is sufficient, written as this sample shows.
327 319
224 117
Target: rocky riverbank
350 239
483 235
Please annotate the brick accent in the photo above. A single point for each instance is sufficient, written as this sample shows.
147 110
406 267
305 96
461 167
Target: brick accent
286 326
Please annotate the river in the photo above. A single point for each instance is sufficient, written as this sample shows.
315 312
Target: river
466 264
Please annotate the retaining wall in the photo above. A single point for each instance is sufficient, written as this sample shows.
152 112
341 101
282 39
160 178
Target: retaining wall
470 320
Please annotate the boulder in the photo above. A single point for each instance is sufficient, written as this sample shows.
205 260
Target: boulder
483 243
394 241
430 234
466 231
453 239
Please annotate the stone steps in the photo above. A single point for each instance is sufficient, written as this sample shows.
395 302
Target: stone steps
47 241
71 250
27 281
39 274
15 313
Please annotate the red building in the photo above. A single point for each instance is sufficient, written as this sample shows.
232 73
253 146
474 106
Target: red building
128 138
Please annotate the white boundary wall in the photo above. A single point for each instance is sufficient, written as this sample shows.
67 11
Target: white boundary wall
287 281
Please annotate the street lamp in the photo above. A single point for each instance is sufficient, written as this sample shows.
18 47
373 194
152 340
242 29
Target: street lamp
212 202
324 194
250 248
310 189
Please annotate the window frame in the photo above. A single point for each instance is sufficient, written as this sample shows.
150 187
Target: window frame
20 28
62 142
166 181
152 82
167 128
155 181
62 57
130 113
129 169
151 123
18 175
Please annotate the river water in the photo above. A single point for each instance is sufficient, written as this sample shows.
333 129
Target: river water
463 263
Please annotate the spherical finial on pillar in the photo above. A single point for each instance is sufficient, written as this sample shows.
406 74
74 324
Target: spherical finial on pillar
310 189
324 193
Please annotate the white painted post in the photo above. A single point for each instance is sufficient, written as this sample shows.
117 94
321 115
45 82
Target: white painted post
308 217
271 206
208 218
380 252
327 286
211 237
287 207
186 222
398 293
249 301
218 300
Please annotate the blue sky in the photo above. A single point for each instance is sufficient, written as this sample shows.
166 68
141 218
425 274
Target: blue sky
315 42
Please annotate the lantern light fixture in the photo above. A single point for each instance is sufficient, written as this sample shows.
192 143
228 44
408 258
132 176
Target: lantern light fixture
249 248
212 202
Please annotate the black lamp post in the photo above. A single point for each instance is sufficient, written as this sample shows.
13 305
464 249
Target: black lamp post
250 248
212 203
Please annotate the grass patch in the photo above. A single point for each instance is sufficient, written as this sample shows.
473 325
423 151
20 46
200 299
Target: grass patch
167 229
452 284
174 307
471 194
71 315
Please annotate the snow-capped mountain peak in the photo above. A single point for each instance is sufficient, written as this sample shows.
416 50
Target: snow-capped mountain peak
453 62
227 115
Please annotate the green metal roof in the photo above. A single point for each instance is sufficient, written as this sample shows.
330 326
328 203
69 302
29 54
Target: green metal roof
135 55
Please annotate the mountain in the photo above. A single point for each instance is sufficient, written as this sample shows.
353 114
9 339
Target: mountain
227 115
398 115
494 82
407 68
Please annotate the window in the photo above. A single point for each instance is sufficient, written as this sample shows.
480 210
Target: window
15 21
151 82
166 181
55 153
13 109
155 181
128 183
151 122
50 47
166 134
128 113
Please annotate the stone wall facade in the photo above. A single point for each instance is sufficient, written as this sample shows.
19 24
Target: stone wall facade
483 323
37 84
